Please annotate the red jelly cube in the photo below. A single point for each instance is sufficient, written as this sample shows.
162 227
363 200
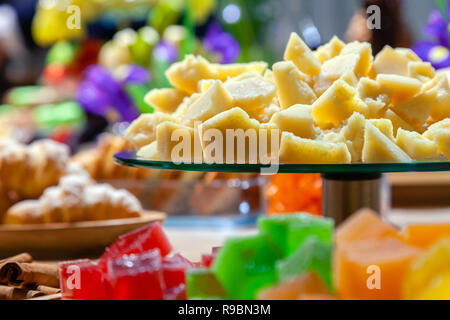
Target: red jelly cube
175 293
137 277
174 270
82 280
207 260
141 240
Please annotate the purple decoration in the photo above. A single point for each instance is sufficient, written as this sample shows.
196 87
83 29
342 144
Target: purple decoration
166 51
99 93
137 75
222 43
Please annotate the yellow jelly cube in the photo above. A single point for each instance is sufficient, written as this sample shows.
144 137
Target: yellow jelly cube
149 152
292 88
329 50
353 132
429 273
390 61
294 149
301 55
378 148
185 75
440 134
415 145
441 109
250 91
400 88
296 119
213 101
142 131
226 71
175 142
422 71
385 126
438 290
337 104
165 100
397 122
416 110
363 50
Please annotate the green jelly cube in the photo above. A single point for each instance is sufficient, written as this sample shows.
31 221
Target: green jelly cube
203 284
312 255
290 231
246 265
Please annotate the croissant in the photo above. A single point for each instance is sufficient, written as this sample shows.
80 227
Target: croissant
27 171
76 198
99 162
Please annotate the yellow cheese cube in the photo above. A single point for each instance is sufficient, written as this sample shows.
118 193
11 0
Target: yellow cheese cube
353 133
385 126
422 71
408 53
250 91
416 111
149 152
329 50
296 119
397 122
416 146
292 89
294 149
165 100
336 104
441 109
389 61
226 125
363 50
378 148
142 131
322 84
226 71
336 67
301 55
176 142
440 134
400 88
185 75
213 101
376 99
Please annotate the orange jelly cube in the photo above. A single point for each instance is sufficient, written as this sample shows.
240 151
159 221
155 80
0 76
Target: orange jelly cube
425 235
365 224
295 288
372 269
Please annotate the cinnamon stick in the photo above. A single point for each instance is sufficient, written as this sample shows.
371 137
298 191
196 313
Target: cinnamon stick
47 290
15 273
13 293
23 257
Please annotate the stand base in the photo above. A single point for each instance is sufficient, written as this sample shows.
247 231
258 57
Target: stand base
344 193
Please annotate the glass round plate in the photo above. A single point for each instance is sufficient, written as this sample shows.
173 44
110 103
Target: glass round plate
128 158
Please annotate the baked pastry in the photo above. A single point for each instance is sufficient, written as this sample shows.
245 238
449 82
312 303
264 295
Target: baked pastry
99 162
76 198
28 170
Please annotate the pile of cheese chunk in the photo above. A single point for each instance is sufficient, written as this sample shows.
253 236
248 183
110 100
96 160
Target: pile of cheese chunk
338 104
